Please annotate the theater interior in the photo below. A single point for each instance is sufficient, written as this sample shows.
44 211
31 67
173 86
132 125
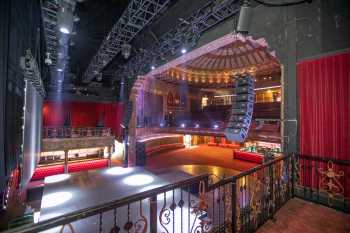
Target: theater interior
170 116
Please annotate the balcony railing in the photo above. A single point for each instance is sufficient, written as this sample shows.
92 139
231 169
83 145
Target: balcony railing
69 132
240 203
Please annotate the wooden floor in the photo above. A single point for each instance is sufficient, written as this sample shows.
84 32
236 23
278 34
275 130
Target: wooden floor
199 155
299 216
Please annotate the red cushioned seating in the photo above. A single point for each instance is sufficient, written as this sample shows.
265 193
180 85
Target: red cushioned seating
41 172
87 165
233 146
248 156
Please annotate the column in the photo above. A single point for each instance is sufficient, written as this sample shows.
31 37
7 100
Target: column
109 156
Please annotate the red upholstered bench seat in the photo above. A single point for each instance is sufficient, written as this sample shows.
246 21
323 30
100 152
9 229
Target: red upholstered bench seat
87 165
41 172
248 156
159 148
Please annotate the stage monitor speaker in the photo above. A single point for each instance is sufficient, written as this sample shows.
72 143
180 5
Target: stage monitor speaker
242 110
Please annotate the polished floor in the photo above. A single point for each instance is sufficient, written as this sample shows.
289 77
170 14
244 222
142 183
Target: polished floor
204 155
299 216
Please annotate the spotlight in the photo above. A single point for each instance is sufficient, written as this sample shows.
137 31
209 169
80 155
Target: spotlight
59 69
56 178
152 67
64 30
126 50
196 125
118 171
137 180
245 18
183 51
55 199
216 126
183 125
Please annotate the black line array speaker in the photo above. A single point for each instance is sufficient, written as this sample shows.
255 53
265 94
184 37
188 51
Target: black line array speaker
242 110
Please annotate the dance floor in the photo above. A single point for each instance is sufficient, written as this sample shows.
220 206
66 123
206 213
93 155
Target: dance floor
200 155
67 193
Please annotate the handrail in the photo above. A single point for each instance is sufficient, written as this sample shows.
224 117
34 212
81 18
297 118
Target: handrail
91 211
247 172
324 159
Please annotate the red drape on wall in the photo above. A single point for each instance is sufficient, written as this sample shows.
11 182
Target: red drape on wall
324 92
83 114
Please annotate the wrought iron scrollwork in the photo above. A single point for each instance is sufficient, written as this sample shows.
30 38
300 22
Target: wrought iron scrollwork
330 183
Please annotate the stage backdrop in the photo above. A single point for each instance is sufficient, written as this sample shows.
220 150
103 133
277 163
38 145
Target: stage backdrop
83 114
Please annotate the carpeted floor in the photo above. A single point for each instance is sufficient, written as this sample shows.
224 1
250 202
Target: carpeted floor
299 216
200 155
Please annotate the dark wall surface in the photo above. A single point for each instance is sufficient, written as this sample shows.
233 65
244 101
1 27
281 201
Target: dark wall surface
20 29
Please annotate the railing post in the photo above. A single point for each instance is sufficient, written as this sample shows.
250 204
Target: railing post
66 161
293 174
233 204
153 218
272 201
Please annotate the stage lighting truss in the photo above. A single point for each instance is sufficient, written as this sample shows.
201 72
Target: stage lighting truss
49 16
138 14
185 35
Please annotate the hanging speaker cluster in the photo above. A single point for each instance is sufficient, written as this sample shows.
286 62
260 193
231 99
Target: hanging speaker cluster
242 110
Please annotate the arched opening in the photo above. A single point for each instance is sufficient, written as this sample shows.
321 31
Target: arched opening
187 102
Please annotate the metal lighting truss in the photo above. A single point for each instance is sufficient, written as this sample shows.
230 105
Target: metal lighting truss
185 34
49 16
138 14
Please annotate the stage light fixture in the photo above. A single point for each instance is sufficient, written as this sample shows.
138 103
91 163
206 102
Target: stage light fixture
216 126
56 178
116 171
65 19
59 69
153 67
55 199
138 180
183 125
183 50
196 125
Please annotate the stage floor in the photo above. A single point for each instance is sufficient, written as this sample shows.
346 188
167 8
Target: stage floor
66 193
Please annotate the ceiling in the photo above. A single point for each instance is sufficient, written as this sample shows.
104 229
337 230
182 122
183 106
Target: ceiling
219 67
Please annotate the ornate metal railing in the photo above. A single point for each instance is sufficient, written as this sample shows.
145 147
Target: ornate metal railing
323 180
256 194
69 132
239 204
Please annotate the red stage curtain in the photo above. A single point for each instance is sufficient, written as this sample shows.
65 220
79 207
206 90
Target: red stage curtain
83 114
324 94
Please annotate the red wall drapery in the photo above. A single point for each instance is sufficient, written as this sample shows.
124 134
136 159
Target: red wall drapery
324 92
83 114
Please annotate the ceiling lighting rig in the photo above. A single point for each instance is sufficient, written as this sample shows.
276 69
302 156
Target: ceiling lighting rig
138 14
181 38
58 20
